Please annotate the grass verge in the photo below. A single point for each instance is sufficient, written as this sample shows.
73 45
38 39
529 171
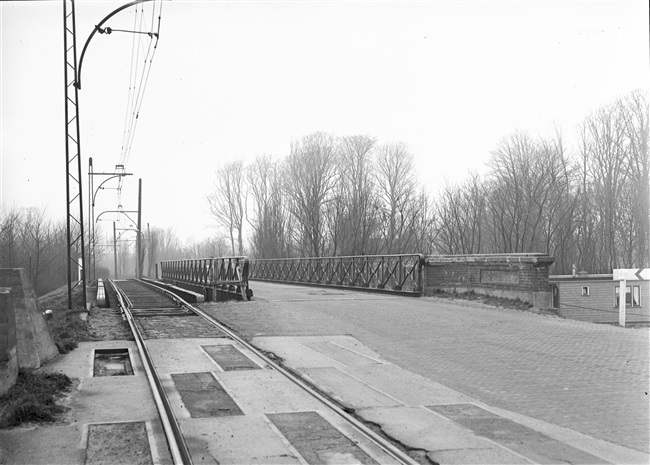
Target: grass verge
33 398
67 329
66 326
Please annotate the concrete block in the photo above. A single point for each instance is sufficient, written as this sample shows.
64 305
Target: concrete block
34 343
8 354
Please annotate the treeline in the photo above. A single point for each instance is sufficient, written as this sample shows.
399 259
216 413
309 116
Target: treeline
331 195
30 240
587 206
158 244
163 244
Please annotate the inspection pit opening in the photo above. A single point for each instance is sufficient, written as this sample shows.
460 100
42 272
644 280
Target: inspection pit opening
112 362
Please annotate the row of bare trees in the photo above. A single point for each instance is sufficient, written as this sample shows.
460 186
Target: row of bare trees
330 195
30 240
589 208
158 244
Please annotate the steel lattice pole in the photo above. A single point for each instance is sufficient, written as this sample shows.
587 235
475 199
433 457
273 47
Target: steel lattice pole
74 198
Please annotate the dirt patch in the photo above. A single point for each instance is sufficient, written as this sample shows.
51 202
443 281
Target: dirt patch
108 324
498 302
118 443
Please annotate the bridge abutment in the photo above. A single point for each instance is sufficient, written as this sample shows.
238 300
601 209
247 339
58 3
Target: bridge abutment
8 353
513 276
34 342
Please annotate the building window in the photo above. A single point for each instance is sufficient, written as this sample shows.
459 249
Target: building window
585 290
632 296
636 296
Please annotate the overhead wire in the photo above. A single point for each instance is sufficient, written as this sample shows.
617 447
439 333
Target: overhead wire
144 79
128 105
138 78
136 49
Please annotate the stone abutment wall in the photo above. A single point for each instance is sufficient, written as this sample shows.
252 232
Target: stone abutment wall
513 276
31 336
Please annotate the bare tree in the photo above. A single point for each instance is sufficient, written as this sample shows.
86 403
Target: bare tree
153 247
270 237
634 110
460 219
396 188
212 247
228 202
30 240
311 177
357 201
10 224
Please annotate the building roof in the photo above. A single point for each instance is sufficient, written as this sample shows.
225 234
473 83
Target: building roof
581 277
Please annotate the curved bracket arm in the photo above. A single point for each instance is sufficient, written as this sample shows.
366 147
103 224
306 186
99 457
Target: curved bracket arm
116 211
99 28
100 186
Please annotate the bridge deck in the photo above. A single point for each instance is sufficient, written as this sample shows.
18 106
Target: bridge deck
589 378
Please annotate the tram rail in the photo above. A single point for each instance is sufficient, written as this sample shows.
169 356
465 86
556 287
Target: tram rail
139 299
177 445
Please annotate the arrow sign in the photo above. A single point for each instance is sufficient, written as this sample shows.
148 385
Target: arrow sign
633 274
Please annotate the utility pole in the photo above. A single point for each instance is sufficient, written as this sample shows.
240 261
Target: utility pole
92 196
149 245
72 82
91 223
139 237
115 250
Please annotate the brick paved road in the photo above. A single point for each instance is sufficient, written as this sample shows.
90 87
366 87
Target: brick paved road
587 377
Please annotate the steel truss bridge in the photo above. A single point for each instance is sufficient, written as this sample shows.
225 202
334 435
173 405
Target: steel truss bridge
380 273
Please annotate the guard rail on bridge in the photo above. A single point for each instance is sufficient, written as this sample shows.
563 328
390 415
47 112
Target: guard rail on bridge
390 273
211 275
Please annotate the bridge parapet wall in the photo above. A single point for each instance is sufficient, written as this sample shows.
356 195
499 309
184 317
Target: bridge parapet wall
514 276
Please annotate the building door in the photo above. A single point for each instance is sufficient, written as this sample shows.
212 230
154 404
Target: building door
555 290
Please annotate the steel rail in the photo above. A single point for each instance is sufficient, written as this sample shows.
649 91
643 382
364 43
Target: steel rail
386 446
177 446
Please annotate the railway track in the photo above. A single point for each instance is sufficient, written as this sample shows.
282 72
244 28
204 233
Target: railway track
168 330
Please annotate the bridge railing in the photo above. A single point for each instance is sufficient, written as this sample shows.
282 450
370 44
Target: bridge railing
228 274
392 273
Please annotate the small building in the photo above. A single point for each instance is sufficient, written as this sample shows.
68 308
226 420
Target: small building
595 298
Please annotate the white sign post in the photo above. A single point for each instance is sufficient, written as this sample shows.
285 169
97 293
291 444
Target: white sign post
624 275
622 294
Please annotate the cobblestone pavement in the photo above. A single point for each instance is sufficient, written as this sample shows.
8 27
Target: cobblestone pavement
587 377
176 327
107 324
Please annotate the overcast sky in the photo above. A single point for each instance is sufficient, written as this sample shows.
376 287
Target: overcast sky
232 80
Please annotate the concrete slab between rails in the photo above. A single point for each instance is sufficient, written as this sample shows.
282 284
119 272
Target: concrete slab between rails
93 400
248 435
189 355
401 402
